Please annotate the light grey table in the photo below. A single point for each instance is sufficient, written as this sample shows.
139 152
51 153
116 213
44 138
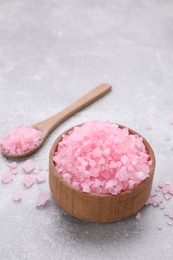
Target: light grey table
51 53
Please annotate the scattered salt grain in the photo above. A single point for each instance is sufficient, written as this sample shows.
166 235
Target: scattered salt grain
16 196
6 177
159 228
169 222
21 140
12 165
162 206
156 201
42 198
28 166
36 170
40 178
167 196
149 201
87 153
13 171
138 216
165 189
161 184
153 194
170 214
157 189
170 189
149 126
28 181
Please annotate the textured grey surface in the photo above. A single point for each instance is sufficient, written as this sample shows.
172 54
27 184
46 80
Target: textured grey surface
52 52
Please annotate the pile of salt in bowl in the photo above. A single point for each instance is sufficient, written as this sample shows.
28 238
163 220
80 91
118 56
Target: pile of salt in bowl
21 140
102 158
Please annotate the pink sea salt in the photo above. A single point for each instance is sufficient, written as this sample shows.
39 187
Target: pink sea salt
36 170
149 126
167 196
42 198
21 140
28 181
170 223
138 216
40 178
6 177
28 166
162 206
159 228
12 165
100 157
13 171
156 201
170 214
16 195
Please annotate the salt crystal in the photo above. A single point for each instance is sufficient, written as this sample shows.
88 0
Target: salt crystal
156 201
170 214
165 189
149 126
28 181
159 228
124 159
86 188
138 216
28 166
157 189
16 195
161 184
149 201
42 198
153 194
13 171
162 206
169 222
92 163
167 196
6 177
170 190
12 165
40 178
36 170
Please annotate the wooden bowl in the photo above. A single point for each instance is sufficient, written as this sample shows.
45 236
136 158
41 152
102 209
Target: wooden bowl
99 207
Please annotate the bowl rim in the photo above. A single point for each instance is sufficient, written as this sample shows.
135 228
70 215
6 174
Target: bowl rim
120 195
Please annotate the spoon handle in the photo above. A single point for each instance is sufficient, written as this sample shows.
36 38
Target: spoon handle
49 124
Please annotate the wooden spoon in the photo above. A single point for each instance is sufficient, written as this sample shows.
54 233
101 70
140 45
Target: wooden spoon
48 125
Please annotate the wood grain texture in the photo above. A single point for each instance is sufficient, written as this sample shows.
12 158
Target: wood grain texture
99 208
